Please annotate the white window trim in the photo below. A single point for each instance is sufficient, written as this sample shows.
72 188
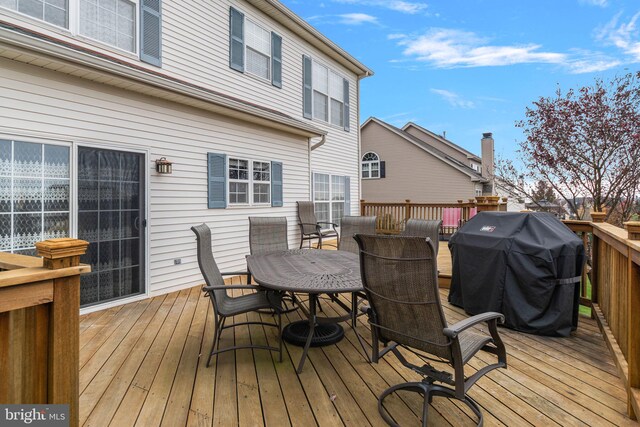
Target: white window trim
369 163
329 201
249 182
328 95
73 30
246 46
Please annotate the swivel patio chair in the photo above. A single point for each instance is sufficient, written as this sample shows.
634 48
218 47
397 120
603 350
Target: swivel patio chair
224 305
424 228
352 225
310 227
400 280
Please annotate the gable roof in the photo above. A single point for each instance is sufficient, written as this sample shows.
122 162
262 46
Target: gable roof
429 149
304 30
442 139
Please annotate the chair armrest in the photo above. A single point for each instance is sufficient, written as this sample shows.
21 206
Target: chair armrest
230 287
235 273
329 223
453 330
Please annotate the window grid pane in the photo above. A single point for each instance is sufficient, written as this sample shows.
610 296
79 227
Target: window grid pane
257 38
320 106
258 64
337 114
321 187
109 21
261 193
52 11
337 188
320 78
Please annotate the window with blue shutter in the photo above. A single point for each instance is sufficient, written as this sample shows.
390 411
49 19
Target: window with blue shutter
217 180
346 105
276 184
276 60
347 195
151 32
236 39
307 89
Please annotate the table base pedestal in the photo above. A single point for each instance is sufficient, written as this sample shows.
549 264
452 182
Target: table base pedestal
296 333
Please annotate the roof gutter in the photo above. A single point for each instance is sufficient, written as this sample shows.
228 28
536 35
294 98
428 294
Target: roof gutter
220 104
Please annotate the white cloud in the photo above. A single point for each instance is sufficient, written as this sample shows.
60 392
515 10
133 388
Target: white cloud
624 36
357 19
601 3
396 36
454 99
396 5
446 48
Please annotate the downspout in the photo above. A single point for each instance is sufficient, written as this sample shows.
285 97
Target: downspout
311 148
318 144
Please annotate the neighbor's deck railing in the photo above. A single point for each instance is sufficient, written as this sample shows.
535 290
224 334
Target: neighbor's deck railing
39 325
391 217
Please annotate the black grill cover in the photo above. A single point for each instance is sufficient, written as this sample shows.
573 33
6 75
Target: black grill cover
526 266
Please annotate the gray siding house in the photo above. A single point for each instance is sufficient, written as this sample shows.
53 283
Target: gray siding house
414 163
249 102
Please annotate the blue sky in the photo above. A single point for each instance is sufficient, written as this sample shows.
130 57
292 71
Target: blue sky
473 66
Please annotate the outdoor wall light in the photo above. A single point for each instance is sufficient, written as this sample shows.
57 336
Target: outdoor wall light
163 165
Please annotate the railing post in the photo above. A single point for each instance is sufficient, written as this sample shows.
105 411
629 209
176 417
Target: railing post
598 217
633 230
362 207
407 210
64 323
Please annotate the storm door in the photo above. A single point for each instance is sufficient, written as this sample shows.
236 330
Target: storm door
111 217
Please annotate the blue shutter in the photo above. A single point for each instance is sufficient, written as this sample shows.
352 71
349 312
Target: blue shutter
217 180
347 113
276 60
307 90
236 40
383 169
276 184
151 32
347 195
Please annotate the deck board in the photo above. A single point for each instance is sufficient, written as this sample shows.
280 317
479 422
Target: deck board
144 363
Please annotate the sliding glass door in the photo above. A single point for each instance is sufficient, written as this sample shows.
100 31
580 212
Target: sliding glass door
111 217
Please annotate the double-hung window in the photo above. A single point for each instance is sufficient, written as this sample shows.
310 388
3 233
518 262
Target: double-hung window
132 26
325 94
249 182
110 21
330 196
258 50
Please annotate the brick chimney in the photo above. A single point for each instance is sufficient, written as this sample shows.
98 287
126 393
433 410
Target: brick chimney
488 163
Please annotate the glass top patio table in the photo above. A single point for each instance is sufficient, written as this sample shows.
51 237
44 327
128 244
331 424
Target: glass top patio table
313 272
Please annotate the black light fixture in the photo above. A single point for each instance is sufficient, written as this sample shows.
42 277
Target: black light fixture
164 166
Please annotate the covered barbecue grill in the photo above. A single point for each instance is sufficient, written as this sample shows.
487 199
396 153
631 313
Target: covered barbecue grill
526 266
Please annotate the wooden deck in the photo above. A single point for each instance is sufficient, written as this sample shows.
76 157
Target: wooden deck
144 364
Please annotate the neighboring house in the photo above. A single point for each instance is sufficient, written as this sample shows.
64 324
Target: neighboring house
249 102
515 201
547 206
414 163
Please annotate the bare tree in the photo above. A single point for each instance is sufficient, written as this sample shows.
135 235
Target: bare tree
585 144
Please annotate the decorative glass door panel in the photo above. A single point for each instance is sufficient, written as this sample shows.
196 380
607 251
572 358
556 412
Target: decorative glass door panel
34 194
111 214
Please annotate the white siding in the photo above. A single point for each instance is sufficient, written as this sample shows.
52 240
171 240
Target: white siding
195 48
35 103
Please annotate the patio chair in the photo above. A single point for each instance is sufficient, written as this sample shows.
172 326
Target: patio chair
400 280
267 234
352 225
310 227
424 228
225 306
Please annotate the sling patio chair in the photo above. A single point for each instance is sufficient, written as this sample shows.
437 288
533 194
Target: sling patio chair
224 305
310 227
400 280
266 235
424 228
352 225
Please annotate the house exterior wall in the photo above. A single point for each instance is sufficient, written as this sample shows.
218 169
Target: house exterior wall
434 142
195 48
411 173
42 106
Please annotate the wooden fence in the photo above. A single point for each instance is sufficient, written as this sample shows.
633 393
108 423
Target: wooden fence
392 217
39 325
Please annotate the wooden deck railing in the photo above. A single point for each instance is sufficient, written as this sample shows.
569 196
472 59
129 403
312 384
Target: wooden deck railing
39 325
391 217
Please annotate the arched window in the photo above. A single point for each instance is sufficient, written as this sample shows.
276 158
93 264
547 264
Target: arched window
370 165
